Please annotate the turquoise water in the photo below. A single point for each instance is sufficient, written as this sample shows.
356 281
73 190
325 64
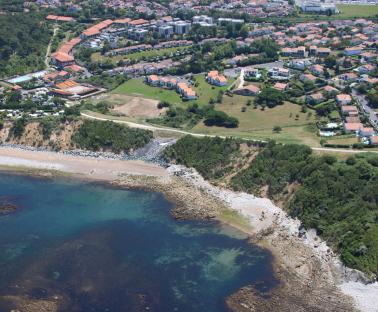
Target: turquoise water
98 248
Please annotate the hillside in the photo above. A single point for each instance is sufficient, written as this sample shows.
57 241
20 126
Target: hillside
56 135
23 42
336 197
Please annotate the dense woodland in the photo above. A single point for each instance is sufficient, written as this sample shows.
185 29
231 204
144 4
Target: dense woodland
336 197
23 43
109 136
210 156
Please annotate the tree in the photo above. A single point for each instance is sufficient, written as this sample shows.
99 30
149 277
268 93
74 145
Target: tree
220 119
277 129
330 61
373 100
270 97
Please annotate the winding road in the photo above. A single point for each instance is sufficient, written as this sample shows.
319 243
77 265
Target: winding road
201 135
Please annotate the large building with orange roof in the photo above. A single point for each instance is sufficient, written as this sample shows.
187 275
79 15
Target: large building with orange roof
59 18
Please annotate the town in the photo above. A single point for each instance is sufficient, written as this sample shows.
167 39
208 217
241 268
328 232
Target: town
323 71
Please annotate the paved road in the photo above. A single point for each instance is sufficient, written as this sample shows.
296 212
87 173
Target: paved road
156 128
361 100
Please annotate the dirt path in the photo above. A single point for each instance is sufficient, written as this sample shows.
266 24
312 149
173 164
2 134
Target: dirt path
48 51
200 135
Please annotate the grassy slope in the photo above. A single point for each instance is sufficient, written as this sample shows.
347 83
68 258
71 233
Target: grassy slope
254 123
138 88
258 124
97 57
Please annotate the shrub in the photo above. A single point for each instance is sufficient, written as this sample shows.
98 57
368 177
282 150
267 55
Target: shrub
109 136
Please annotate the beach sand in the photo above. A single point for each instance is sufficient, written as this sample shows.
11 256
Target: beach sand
88 167
313 278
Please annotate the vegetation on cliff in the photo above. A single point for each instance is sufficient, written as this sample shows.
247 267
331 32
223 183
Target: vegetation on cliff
23 42
336 197
209 156
109 136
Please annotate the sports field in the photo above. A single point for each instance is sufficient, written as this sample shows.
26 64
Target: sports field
355 10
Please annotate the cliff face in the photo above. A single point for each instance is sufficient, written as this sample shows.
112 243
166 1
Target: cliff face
59 138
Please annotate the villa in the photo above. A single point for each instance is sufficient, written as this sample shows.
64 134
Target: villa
214 78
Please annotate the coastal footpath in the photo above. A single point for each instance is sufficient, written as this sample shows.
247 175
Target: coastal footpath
312 276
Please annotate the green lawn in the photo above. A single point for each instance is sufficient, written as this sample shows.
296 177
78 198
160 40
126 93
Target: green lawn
137 87
348 11
96 57
296 127
355 10
206 91
343 139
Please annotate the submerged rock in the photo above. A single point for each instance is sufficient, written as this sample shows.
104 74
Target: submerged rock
6 209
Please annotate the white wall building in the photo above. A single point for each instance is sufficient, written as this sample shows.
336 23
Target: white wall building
203 20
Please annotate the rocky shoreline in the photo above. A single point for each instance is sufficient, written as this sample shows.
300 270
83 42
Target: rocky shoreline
309 279
309 272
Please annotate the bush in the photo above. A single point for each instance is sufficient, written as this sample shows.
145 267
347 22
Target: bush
48 125
109 136
220 119
18 127
163 104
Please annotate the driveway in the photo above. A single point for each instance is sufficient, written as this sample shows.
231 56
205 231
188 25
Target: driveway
363 103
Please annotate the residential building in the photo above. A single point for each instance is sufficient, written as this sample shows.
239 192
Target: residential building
203 20
352 127
61 59
215 78
343 99
252 73
187 92
138 34
349 110
233 21
317 69
315 98
366 131
318 7
248 90
353 51
181 27
165 31
280 86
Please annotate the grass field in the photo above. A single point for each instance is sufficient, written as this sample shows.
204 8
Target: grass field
348 11
138 88
343 139
97 57
355 10
296 127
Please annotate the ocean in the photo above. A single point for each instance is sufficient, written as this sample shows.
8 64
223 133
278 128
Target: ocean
93 247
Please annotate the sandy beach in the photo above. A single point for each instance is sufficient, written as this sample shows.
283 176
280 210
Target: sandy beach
88 167
313 277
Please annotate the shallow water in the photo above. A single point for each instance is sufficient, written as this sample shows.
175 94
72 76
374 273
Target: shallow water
98 248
